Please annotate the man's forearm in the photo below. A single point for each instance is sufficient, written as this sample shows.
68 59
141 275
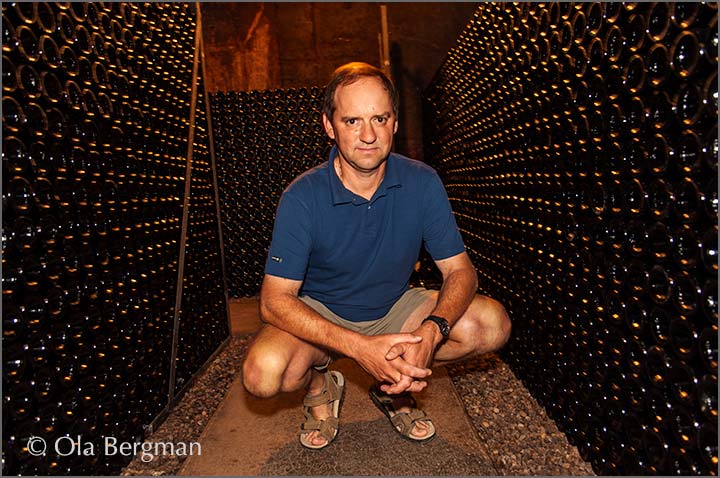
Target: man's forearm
456 293
288 313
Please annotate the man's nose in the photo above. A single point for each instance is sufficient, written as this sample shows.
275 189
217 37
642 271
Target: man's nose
367 133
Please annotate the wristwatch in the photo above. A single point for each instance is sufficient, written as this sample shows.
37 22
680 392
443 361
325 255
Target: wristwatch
441 323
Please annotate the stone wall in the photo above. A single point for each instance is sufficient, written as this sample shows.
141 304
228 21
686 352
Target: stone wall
255 46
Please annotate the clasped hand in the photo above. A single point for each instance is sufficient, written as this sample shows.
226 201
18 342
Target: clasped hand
399 361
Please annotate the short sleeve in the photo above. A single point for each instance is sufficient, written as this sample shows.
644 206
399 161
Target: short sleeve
291 239
440 232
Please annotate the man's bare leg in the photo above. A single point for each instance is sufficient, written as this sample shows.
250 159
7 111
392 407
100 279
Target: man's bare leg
279 362
483 328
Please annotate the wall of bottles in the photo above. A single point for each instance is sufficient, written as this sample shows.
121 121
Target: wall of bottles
263 140
96 101
578 144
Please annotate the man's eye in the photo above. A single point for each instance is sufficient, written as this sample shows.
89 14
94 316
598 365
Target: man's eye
351 121
381 120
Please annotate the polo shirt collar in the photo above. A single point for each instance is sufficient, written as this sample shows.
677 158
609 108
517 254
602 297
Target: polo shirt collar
392 175
341 195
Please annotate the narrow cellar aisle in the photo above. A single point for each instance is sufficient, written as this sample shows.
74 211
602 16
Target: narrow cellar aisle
488 424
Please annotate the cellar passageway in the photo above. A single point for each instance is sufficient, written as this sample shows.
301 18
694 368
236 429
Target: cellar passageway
577 143
469 441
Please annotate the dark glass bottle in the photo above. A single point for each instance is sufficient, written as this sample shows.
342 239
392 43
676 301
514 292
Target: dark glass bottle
658 65
689 104
657 366
686 295
634 74
658 21
49 53
9 75
707 444
709 301
684 426
682 462
614 44
27 43
656 448
683 384
684 54
708 348
708 397
688 200
660 320
660 284
13 117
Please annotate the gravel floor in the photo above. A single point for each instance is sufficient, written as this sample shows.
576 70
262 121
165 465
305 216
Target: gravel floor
521 439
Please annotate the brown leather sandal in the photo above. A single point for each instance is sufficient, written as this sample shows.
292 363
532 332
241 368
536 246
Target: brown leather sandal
402 422
332 393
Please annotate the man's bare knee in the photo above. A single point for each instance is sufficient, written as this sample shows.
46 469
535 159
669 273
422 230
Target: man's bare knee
494 322
485 326
263 371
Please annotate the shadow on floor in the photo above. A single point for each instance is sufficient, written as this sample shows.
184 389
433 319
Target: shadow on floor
372 448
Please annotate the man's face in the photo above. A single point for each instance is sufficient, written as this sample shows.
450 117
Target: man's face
363 124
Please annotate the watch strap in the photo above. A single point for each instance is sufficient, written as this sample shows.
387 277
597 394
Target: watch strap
441 323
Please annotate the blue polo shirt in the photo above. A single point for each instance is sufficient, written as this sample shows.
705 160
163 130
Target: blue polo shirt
354 255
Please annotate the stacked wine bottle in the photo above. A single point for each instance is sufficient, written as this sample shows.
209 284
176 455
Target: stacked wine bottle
95 113
578 143
263 140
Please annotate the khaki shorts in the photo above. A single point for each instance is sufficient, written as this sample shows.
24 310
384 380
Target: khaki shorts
391 323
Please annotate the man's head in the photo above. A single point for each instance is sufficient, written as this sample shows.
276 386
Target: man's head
350 73
361 116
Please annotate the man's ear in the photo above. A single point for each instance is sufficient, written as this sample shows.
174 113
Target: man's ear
328 126
395 127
